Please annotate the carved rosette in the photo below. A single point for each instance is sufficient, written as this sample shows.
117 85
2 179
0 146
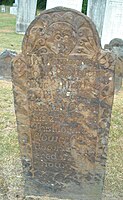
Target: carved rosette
63 87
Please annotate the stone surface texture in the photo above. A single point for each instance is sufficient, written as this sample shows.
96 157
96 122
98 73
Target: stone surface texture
96 11
63 85
116 47
77 5
5 63
25 14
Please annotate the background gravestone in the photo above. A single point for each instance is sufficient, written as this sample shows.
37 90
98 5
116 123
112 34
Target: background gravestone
25 14
63 88
5 64
96 11
13 9
116 47
113 21
77 5
3 9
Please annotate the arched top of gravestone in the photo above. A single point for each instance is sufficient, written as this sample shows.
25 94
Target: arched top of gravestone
62 31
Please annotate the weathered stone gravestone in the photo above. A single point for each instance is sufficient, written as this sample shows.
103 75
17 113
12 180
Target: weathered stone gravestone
116 47
5 64
113 21
63 87
77 5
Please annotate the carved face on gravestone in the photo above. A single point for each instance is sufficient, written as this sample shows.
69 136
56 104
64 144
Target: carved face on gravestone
61 38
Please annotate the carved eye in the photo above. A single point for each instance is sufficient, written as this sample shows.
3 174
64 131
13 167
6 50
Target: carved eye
58 37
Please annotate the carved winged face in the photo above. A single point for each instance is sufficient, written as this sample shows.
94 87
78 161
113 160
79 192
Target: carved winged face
61 38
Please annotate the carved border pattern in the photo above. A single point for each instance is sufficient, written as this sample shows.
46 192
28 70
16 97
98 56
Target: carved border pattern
20 88
107 70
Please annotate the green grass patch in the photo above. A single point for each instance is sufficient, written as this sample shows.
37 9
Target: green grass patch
9 39
8 134
7 21
114 173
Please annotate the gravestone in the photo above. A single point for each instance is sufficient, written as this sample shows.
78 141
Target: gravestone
25 14
96 11
3 9
113 21
116 47
5 64
63 85
13 9
77 5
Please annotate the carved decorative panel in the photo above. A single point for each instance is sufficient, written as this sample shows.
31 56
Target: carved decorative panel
63 87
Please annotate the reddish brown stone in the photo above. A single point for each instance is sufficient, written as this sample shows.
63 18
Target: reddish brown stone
63 87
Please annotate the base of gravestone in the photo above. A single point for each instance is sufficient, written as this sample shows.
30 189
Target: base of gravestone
41 192
52 198
21 28
41 198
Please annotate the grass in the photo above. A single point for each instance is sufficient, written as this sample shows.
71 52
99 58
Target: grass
114 174
9 39
8 136
10 165
9 148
